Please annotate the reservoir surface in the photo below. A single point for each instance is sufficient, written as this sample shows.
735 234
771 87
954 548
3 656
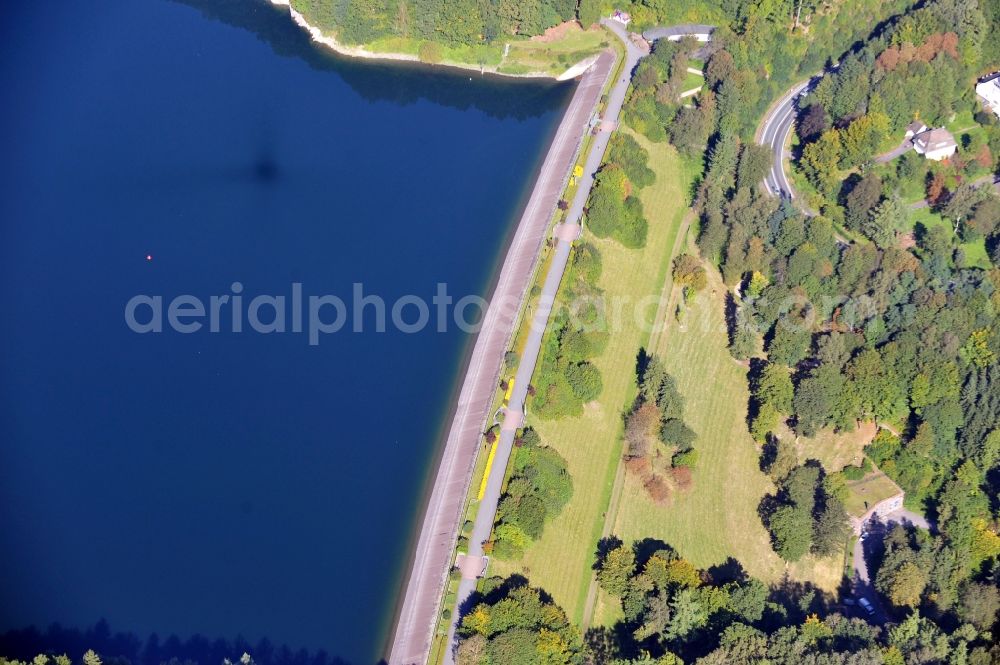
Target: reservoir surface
233 483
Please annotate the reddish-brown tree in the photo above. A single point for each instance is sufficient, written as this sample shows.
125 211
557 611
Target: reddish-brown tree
682 476
657 488
935 188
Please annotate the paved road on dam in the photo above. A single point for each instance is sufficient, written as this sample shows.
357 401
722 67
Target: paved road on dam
432 558
564 237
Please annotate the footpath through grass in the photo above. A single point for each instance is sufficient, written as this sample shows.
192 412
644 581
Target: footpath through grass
560 561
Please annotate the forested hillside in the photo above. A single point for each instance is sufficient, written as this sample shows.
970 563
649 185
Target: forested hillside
897 323
674 613
770 42
920 67
446 21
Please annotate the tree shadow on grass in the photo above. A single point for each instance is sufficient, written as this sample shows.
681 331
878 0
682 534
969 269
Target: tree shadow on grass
604 547
644 549
729 570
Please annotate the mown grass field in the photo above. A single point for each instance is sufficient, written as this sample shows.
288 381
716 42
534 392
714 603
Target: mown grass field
525 56
976 255
554 57
692 81
717 517
865 493
488 55
560 561
834 450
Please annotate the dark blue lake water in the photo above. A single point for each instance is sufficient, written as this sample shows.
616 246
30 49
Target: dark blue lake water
224 484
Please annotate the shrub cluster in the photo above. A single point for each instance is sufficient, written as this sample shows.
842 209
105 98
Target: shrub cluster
538 488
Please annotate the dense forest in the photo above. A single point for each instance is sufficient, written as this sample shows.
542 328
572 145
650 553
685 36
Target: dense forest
453 22
766 54
899 329
922 67
864 313
673 613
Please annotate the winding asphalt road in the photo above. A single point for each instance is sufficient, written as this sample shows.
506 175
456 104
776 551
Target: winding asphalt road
775 132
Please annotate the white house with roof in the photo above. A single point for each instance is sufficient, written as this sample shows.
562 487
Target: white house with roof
915 128
936 144
988 90
622 17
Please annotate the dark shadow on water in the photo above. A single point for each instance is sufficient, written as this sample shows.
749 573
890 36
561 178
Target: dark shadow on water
399 82
128 648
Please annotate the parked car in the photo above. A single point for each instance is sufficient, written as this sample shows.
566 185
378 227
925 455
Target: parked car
867 606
